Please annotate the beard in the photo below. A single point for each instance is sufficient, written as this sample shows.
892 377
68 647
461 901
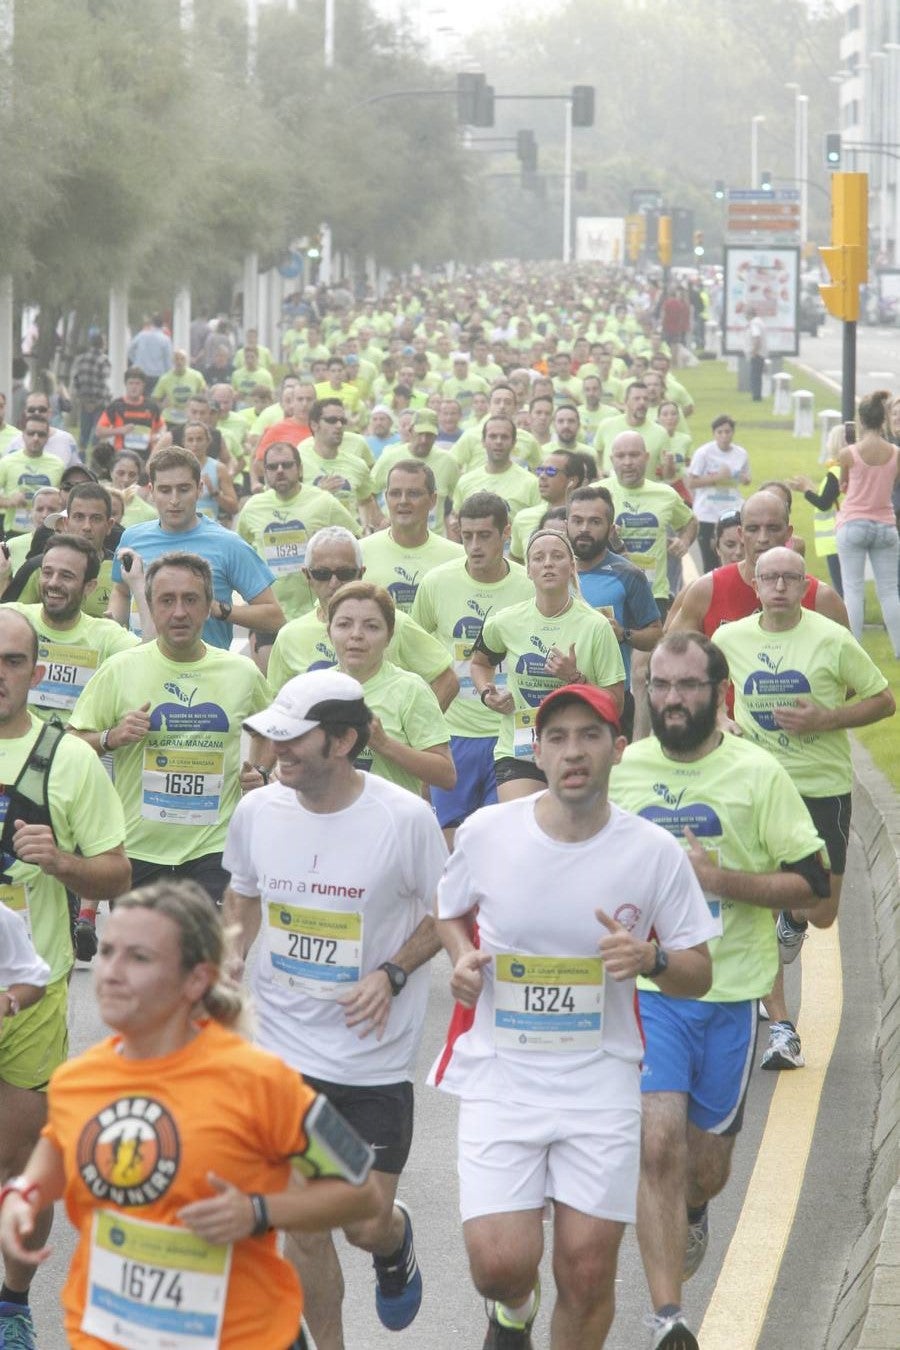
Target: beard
688 734
586 548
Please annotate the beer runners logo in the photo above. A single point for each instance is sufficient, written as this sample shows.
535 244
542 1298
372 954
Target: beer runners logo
129 1152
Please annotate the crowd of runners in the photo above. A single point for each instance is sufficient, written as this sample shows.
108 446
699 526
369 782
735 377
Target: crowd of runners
445 626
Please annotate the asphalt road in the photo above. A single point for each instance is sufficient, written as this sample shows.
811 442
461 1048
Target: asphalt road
829 1215
877 355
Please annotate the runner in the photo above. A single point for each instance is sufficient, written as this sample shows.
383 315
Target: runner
172 1143
400 556
551 640
171 713
75 842
342 867
452 603
754 849
800 683
549 1072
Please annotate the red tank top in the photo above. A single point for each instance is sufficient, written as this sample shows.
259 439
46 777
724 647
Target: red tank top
733 599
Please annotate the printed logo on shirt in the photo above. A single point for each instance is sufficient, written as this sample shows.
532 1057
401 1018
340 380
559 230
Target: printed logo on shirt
766 690
129 1152
675 818
186 715
627 915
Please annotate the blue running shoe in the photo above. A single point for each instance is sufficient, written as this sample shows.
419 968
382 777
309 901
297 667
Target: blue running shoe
398 1296
16 1327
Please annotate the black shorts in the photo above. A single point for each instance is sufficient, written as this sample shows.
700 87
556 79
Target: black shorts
507 769
381 1114
831 817
206 871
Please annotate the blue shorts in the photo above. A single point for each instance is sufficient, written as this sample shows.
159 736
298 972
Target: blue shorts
476 782
705 1050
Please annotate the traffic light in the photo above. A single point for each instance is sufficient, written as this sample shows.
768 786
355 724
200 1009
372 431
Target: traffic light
682 229
664 240
699 250
526 149
719 190
832 150
635 232
765 181
468 83
847 256
474 99
583 105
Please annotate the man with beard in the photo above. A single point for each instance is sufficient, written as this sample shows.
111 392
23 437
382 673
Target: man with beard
611 583
754 849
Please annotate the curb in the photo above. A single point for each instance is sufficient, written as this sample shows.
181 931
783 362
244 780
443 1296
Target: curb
867 1313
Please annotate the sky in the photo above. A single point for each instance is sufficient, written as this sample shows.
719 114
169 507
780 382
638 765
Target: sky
450 21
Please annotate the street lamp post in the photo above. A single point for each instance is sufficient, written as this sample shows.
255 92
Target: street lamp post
755 122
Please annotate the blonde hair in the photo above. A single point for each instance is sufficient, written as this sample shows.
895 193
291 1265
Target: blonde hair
202 938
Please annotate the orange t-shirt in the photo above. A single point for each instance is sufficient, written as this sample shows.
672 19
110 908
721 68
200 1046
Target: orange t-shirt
138 1138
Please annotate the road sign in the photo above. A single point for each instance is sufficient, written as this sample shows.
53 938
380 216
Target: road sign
761 216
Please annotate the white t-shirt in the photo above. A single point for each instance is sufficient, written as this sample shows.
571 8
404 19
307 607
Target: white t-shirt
340 893
712 502
20 963
536 897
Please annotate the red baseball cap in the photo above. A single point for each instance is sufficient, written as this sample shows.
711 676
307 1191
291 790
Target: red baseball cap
601 702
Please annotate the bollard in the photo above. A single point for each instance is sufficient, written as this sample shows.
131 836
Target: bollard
781 402
767 379
828 419
802 400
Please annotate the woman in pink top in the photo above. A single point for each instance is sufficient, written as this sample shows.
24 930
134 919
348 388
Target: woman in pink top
866 527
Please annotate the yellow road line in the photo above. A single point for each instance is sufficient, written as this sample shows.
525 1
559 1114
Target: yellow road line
737 1310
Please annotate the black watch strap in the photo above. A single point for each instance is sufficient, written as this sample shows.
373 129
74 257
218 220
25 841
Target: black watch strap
660 965
396 976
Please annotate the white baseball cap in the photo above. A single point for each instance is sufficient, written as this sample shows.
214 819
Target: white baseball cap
320 697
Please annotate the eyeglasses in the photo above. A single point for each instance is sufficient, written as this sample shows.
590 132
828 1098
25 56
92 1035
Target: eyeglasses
546 471
773 578
273 464
326 573
335 421
662 687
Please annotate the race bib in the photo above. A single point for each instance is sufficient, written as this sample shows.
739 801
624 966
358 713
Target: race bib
318 951
525 724
462 656
182 787
150 1285
66 671
548 1002
15 897
284 547
137 440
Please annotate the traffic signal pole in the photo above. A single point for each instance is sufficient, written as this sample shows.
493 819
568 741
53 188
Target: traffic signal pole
846 259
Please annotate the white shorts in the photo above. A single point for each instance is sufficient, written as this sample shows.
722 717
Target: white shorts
514 1157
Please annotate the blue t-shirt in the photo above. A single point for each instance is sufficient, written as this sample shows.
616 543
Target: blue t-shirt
619 585
378 443
235 565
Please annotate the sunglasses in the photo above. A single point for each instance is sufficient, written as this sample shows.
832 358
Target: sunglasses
546 471
326 573
730 518
335 421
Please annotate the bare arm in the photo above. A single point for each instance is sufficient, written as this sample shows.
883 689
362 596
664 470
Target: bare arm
44 1170
262 613
434 765
102 877
445 687
243 913
687 975
829 603
689 614
805 716
764 890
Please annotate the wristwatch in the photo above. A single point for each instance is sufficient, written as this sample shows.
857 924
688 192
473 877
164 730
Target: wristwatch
396 975
626 634
660 965
225 608
13 1003
104 741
